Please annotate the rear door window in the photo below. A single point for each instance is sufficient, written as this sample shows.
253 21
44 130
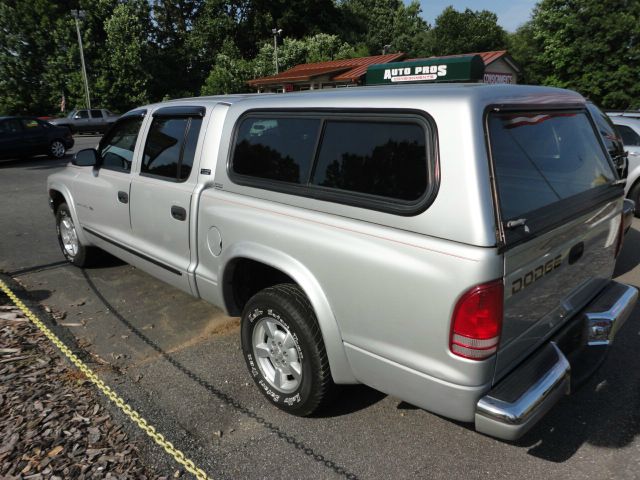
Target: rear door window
96 113
170 147
30 124
541 158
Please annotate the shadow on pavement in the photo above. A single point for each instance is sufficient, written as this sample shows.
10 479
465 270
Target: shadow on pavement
605 412
221 395
36 163
350 399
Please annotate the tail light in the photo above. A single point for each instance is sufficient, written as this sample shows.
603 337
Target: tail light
620 236
477 321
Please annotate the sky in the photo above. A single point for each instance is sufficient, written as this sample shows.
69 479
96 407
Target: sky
511 13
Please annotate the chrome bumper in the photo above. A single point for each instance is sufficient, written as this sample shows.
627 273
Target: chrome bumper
518 401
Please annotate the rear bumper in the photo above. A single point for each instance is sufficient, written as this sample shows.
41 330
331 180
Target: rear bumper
518 401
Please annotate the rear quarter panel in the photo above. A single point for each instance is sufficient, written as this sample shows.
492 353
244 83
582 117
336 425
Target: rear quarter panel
391 281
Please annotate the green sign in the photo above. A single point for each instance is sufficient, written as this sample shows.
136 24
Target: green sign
468 68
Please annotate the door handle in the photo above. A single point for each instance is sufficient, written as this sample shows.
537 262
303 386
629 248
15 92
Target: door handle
123 197
178 213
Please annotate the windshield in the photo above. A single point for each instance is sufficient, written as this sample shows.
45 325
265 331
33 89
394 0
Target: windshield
542 157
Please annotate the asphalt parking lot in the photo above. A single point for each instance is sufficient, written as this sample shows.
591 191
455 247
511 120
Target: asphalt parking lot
177 360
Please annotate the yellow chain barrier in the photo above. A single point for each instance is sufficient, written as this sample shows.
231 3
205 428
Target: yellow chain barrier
109 393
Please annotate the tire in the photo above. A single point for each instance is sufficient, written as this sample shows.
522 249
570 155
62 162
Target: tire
57 149
634 194
280 333
72 249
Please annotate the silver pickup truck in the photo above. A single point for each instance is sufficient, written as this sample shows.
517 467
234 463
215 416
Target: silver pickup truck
451 245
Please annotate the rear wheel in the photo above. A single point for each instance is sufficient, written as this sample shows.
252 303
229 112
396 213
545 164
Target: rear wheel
284 350
73 250
57 149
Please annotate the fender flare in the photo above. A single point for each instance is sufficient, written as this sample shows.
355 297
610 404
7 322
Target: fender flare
331 335
68 198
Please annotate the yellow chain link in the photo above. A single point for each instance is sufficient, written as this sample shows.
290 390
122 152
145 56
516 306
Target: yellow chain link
106 390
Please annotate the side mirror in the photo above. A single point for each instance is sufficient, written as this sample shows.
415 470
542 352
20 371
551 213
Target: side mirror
86 158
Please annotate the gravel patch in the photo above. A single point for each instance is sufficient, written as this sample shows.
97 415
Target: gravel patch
52 425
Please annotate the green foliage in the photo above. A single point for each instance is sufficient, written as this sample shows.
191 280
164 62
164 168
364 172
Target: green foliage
24 54
141 50
524 48
127 49
229 73
591 46
377 23
466 32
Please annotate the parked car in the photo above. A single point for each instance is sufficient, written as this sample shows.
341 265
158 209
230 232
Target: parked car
83 121
624 113
26 136
451 245
611 138
629 129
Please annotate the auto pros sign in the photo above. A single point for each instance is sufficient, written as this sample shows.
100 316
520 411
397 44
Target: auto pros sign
467 68
415 74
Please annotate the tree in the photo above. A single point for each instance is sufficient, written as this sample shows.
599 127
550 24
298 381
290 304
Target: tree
467 32
524 48
25 53
175 67
126 81
592 47
231 73
377 23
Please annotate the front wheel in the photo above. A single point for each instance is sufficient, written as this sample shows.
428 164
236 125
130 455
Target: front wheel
57 149
284 350
73 250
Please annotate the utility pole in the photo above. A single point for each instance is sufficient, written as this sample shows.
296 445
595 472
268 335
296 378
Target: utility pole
79 14
276 33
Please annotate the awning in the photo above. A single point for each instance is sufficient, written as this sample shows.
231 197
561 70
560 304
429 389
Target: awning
459 69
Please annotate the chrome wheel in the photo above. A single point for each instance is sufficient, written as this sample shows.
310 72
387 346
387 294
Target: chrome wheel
277 355
68 236
57 149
